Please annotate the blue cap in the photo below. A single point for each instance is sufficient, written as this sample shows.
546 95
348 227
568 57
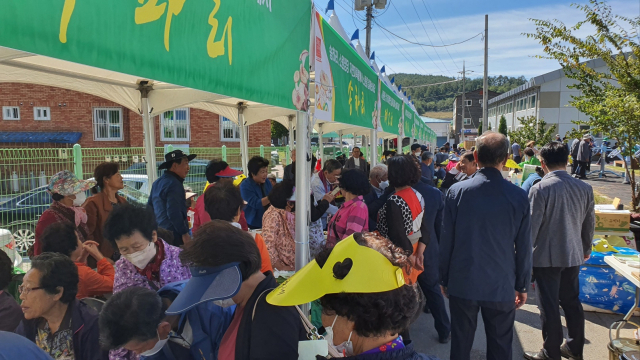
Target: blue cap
207 284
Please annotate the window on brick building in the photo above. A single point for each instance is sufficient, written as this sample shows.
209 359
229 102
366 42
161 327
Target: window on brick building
107 124
175 125
467 121
10 113
229 131
41 113
468 102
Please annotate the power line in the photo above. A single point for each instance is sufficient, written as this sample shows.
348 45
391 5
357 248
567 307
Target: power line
426 85
414 36
429 45
405 56
435 27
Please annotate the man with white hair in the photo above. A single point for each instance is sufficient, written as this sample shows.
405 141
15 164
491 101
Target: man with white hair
376 198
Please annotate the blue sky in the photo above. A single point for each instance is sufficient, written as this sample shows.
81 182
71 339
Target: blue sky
510 53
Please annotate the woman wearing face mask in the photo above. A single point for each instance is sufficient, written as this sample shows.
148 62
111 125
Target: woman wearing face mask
68 195
530 158
279 227
353 215
362 316
324 182
147 261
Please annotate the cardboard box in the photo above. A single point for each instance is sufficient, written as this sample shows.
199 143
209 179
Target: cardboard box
612 220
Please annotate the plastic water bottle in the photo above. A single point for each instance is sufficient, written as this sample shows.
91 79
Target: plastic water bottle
32 178
43 179
15 182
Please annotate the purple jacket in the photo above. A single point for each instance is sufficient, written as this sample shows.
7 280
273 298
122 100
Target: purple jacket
127 276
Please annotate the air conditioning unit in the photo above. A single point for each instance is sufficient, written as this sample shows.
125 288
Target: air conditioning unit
360 5
380 4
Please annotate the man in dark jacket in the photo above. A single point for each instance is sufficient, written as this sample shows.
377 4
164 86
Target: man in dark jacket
379 180
584 156
485 266
427 167
167 198
562 227
429 280
258 329
288 170
356 161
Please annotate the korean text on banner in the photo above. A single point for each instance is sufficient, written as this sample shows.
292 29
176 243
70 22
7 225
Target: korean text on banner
390 111
239 48
346 86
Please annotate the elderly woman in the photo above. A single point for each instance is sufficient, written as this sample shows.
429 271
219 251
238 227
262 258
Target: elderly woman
98 206
363 317
324 182
55 321
353 215
255 190
68 195
147 261
400 219
279 227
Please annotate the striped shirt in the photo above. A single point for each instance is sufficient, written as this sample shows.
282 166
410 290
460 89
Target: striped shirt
351 218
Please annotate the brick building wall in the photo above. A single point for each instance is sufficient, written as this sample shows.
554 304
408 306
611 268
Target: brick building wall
72 111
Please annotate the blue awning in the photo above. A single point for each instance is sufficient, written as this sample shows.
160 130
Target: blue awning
40 137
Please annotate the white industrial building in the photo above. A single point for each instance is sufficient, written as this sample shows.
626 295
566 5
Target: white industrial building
442 128
546 97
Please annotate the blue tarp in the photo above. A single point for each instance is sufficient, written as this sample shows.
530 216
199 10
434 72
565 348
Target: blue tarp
602 287
40 137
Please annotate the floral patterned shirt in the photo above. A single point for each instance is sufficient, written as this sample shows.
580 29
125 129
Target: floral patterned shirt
279 233
59 344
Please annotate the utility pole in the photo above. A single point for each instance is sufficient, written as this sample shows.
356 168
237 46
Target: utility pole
485 84
368 29
464 74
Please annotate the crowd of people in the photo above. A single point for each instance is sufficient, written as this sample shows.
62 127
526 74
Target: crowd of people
194 279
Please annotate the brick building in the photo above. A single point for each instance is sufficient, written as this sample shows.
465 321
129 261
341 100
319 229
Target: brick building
467 117
104 124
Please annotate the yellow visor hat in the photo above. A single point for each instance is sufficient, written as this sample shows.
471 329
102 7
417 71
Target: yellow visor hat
512 164
367 271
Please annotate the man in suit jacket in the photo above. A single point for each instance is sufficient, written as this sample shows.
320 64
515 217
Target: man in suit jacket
485 265
375 199
356 161
583 157
429 279
562 227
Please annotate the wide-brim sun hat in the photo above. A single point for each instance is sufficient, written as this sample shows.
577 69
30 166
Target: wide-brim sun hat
66 183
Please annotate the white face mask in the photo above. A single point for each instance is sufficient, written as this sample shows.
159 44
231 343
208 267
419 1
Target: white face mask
383 185
236 225
225 303
156 348
141 258
80 199
418 153
346 348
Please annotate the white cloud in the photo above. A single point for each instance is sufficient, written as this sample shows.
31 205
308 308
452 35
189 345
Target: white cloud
510 52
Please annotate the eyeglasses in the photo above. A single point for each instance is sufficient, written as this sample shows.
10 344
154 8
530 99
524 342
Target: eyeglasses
25 290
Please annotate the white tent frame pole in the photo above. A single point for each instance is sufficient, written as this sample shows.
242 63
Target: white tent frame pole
340 140
244 153
291 138
149 135
303 190
320 144
374 151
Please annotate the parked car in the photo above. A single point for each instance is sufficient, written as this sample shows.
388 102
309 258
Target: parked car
19 215
196 179
8 245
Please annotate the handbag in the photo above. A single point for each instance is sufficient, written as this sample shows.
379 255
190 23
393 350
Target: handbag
307 349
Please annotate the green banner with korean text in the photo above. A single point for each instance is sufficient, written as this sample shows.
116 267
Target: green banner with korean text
240 48
390 110
346 86
409 124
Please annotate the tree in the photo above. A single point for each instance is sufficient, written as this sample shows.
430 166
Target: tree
502 127
611 99
480 129
278 131
532 129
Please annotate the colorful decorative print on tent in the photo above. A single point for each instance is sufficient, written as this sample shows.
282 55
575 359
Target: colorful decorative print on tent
239 48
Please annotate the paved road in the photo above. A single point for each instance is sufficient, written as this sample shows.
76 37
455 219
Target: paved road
527 337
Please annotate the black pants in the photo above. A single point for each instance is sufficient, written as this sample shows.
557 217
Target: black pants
582 169
517 159
498 320
430 286
557 287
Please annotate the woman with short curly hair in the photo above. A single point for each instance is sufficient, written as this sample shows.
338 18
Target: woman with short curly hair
363 317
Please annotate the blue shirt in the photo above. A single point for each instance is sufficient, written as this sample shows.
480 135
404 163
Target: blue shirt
13 346
485 241
515 148
168 204
252 194
427 172
527 184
